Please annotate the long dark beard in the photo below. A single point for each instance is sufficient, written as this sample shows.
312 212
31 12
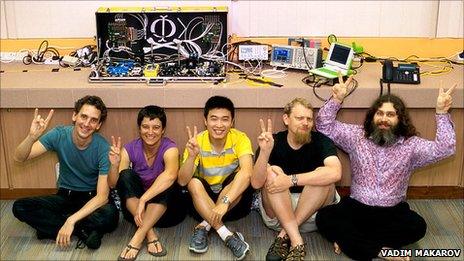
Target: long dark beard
303 138
383 137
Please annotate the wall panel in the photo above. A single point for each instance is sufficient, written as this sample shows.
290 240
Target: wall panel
450 17
39 173
73 19
3 166
3 27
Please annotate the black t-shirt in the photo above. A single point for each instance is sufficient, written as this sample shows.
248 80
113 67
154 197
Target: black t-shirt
305 159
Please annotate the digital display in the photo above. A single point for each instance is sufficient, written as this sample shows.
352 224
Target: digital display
282 55
405 66
340 54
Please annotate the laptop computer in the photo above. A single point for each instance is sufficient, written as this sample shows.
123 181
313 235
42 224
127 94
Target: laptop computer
338 60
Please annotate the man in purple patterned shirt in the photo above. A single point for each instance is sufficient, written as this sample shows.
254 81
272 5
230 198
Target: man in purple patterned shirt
383 154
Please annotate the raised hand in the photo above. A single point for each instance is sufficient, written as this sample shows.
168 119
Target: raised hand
444 99
192 144
39 124
340 90
115 151
265 139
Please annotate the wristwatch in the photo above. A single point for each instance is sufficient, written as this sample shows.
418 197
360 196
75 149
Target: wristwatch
294 180
225 200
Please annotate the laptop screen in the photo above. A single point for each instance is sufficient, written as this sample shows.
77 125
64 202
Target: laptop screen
340 55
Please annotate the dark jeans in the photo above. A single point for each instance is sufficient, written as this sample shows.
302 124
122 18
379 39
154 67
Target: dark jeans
130 185
240 210
47 214
361 230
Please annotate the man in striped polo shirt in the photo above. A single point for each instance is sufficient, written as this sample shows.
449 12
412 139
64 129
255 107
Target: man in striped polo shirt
216 168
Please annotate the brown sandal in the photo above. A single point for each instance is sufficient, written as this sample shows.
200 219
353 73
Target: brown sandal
158 254
127 249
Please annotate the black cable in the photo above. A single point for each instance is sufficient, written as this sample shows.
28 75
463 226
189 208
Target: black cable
381 88
361 61
40 54
316 84
304 55
27 59
312 79
332 38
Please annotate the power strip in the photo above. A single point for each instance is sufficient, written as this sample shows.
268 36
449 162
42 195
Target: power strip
12 56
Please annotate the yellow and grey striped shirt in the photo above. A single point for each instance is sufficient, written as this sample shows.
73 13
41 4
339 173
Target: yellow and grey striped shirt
214 166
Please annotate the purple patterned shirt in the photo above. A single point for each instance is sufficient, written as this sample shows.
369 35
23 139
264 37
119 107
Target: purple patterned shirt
380 175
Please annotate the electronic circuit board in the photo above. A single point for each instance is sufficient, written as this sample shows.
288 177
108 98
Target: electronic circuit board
160 44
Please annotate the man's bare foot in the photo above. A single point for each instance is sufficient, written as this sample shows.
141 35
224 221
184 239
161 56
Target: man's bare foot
337 249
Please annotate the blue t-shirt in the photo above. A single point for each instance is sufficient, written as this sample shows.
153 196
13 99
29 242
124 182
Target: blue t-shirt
79 169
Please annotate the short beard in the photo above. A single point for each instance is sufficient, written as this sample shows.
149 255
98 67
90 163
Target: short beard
383 137
303 138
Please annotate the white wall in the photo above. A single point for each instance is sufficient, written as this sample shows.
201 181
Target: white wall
450 21
3 28
76 19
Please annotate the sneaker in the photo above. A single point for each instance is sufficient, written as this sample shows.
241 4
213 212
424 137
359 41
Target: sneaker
199 240
279 249
92 240
296 253
237 244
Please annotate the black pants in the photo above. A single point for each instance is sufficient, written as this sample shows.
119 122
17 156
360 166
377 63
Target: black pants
361 230
130 185
47 214
240 210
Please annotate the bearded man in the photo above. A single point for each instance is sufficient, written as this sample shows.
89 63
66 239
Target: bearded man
296 170
383 154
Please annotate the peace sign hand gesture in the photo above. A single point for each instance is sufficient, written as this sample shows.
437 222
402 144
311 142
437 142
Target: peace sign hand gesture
115 151
39 124
444 99
192 144
340 90
265 139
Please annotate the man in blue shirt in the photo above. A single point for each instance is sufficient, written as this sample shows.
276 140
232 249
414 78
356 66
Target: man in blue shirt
80 206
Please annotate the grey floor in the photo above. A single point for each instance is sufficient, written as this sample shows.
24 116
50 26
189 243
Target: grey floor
18 241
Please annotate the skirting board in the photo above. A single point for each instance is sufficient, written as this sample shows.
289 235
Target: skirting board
436 192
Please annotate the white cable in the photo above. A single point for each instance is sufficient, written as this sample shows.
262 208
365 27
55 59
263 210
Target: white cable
207 29
198 17
274 73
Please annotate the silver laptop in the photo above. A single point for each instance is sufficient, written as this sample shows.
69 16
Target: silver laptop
338 60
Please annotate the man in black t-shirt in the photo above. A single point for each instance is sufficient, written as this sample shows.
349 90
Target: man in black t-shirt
296 170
